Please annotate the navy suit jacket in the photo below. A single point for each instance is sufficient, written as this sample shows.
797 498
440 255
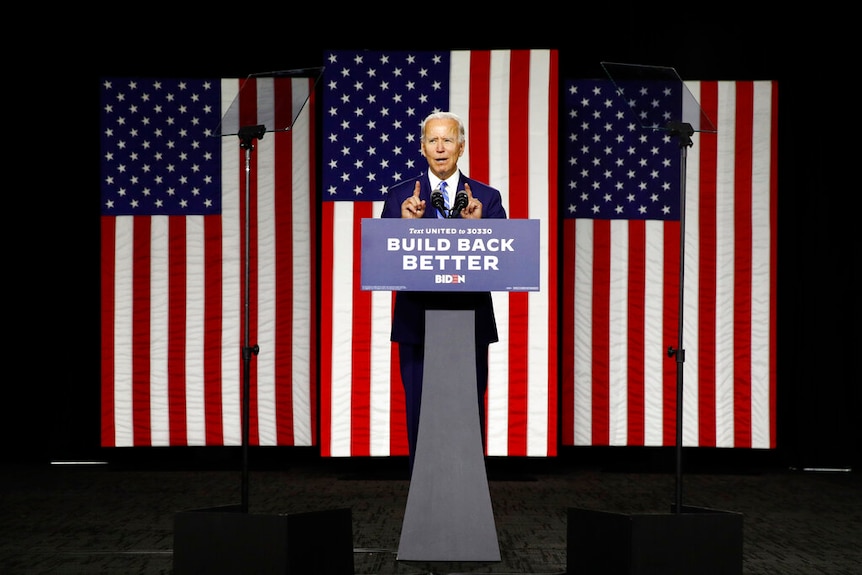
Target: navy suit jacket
408 319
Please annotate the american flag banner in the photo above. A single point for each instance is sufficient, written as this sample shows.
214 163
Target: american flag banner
173 266
373 104
621 268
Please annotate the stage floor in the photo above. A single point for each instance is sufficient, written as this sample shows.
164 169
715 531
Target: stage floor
117 517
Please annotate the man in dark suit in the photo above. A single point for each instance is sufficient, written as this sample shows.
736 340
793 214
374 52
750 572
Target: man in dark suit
442 139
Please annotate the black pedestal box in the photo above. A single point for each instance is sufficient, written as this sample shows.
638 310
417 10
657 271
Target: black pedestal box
224 540
697 541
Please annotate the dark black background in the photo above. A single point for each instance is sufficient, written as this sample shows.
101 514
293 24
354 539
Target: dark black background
51 405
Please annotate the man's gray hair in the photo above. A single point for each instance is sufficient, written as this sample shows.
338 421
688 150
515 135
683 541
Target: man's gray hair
462 134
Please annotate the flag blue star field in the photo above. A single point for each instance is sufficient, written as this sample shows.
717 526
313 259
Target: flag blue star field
373 106
622 259
173 205
614 168
158 157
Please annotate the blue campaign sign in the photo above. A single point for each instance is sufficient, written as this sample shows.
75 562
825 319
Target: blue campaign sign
450 255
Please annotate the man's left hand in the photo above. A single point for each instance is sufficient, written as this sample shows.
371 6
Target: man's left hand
473 211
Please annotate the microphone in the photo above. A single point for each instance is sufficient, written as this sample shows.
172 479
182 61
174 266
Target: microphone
459 204
438 202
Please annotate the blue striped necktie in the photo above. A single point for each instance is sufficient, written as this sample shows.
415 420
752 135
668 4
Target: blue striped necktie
445 199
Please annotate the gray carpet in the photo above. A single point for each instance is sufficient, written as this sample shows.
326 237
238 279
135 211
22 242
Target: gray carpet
119 518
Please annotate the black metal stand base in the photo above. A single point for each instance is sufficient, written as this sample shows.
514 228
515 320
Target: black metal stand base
225 540
698 540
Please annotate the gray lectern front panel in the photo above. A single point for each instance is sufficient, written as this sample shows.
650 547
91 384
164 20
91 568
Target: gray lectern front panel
449 515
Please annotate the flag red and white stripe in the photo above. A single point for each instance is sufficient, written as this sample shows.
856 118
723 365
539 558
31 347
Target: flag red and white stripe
173 305
508 100
620 309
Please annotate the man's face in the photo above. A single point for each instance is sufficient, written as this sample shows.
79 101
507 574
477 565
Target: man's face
441 147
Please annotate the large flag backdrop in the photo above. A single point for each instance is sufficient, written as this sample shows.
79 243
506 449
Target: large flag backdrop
373 103
173 271
621 248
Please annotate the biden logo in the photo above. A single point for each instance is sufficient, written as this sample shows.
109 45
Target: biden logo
449 279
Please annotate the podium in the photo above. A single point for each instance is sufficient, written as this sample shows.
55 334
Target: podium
449 515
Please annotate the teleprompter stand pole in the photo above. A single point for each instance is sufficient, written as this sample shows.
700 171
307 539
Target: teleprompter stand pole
247 135
684 132
229 539
689 539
